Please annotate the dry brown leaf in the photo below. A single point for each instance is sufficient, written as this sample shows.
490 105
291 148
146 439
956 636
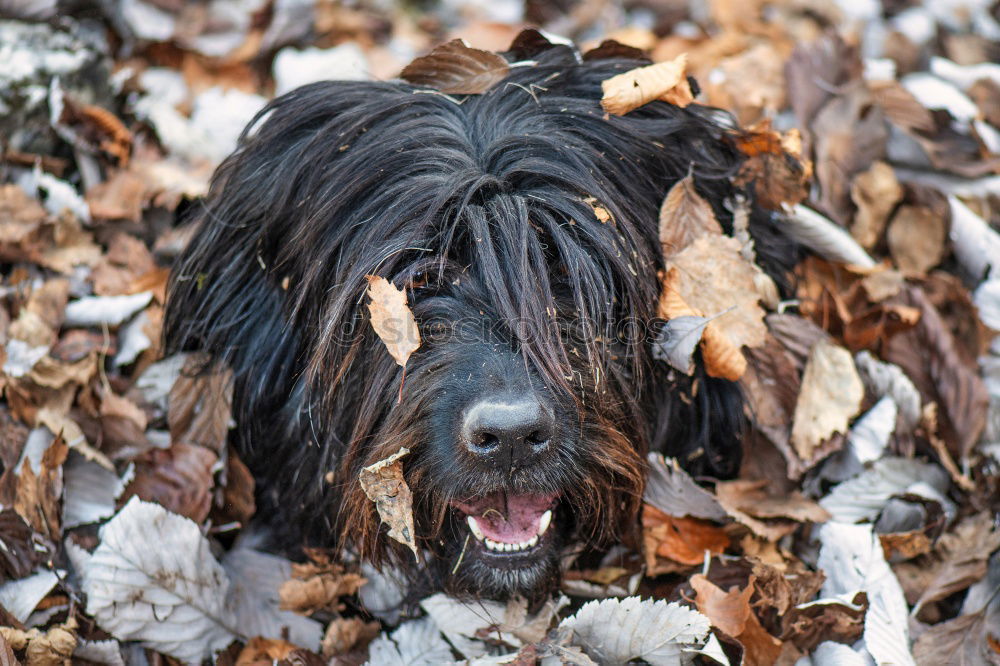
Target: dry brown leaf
964 553
730 612
261 651
238 501
457 69
683 540
179 478
44 648
831 396
38 495
751 83
808 626
121 197
685 216
712 277
963 641
392 319
384 484
753 498
774 165
200 405
916 239
905 545
666 81
127 259
346 634
722 358
875 192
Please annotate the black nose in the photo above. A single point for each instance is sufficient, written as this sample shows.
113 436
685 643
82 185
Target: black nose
510 429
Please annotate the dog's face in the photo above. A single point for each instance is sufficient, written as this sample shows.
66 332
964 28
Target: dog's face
523 225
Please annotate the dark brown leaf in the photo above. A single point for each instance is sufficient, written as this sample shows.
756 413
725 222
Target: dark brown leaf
964 641
457 69
200 405
178 478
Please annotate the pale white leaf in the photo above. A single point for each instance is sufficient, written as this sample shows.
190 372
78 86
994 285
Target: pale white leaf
867 440
382 595
864 496
976 244
677 341
153 579
60 196
829 653
852 559
888 379
672 490
414 643
89 491
156 381
105 310
256 578
132 340
972 188
20 597
934 92
615 631
987 300
824 237
712 649
22 357
964 76
100 652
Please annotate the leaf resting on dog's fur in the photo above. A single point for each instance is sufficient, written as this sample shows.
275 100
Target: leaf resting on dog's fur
392 319
615 631
383 483
665 81
456 68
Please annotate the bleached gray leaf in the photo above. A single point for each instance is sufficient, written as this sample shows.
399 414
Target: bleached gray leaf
987 300
153 579
615 631
105 310
829 653
22 357
972 188
20 597
414 643
157 380
132 340
824 237
888 379
672 490
852 558
90 491
867 440
712 649
382 595
100 652
976 244
255 601
864 496
677 340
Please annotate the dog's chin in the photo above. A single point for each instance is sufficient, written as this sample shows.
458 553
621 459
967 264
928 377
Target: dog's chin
508 545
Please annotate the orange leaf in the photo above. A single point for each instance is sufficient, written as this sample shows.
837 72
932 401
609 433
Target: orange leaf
666 81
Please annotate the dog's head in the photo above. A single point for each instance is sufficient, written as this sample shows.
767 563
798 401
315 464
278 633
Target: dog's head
522 224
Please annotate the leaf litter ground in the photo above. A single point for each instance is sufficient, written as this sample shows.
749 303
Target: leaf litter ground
863 525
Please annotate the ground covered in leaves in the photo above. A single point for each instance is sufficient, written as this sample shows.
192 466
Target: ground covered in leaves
863 526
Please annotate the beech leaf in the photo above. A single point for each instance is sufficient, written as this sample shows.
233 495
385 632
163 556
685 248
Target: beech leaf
384 484
831 395
392 319
665 81
456 68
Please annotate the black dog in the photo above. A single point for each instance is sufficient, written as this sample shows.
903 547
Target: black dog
534 398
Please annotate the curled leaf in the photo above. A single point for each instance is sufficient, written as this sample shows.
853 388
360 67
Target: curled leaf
392 319
456 68
665 81
383 483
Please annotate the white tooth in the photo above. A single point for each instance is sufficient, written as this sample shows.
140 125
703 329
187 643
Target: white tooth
474 528
489 544
507 547
532 541
543 524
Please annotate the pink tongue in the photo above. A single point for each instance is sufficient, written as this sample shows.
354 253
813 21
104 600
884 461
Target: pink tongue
520 522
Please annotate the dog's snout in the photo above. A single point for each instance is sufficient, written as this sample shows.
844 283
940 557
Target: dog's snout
516 429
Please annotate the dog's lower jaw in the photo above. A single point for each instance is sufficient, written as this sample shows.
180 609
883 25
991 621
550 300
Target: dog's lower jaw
474 577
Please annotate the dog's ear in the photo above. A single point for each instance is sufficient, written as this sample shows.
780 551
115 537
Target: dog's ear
701 422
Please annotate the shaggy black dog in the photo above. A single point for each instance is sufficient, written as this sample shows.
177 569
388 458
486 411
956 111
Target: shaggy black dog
523 225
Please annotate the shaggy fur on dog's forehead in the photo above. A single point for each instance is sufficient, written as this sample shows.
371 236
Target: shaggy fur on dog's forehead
481 206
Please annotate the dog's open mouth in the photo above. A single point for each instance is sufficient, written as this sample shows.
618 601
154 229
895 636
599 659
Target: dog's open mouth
508 524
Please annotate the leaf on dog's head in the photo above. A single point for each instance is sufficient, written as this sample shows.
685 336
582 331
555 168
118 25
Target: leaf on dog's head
384 484
457 69
685 216
392 319
666 81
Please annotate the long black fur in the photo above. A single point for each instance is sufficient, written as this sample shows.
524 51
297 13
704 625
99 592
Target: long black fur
483 208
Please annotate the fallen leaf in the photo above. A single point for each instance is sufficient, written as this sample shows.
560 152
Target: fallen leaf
264 651
670 489
825 238
683 540
179 478
866 495
774 166
345 634
384 484
392 320
753 498
730 612
615 631
21 597
200 405
153 579
23 550
666 81
684 217
831 395
964 552
677 341
126 260
105 310
39 489
413 643
916 239
966 640
457 69
875 192
316 588
120 197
